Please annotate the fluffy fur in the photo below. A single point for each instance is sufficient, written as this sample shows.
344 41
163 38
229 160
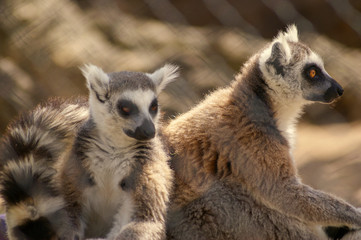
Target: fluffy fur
164 76
116 178
70 171
28 152
235 176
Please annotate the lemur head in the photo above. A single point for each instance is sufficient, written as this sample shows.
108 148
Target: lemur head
124 104
294 71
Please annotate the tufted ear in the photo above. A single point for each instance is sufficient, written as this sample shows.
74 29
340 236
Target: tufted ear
97 81
291 34
279 54
163 76
278 58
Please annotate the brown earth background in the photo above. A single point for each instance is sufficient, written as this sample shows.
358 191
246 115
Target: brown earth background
43 42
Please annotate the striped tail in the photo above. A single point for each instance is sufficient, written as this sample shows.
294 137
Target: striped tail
28 152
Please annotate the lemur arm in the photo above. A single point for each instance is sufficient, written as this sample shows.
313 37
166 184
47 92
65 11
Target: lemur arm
270 173
72 190
149 201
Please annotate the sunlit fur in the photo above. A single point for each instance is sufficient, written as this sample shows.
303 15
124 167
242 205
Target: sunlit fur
288 92
232 154
29 149
111 185
162 77
114 183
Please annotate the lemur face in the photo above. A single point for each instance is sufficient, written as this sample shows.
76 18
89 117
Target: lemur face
316 83
293 71
124 105
138 111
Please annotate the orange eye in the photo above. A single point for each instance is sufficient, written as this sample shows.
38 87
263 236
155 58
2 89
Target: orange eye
153 108
312 73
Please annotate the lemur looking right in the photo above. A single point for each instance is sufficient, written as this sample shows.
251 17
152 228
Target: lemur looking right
232 154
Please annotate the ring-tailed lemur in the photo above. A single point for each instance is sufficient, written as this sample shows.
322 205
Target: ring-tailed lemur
28 153
114 180
234 172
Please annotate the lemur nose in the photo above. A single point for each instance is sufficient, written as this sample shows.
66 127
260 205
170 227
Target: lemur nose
148 130
337 87
145 131
340 91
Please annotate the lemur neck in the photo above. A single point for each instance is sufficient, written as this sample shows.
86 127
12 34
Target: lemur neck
265 102
283 111
286 114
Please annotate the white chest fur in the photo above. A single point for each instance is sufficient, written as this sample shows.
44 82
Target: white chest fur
105 198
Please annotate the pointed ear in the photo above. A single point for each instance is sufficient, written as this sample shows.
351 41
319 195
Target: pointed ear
163 76
279 58
291 34
97 81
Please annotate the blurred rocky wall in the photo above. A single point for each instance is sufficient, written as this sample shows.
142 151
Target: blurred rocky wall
43 42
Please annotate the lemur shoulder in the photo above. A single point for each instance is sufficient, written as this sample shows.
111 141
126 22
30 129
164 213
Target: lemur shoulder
116 179
232 154
108 174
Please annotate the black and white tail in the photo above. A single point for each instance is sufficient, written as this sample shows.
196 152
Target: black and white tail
28 151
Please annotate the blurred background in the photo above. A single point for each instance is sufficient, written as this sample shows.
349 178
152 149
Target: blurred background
43 42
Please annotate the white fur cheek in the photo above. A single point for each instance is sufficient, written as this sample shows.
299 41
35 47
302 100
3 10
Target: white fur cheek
101 116
109 124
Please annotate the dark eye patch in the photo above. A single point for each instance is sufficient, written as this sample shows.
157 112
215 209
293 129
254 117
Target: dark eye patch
312 73
127 108
153 108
